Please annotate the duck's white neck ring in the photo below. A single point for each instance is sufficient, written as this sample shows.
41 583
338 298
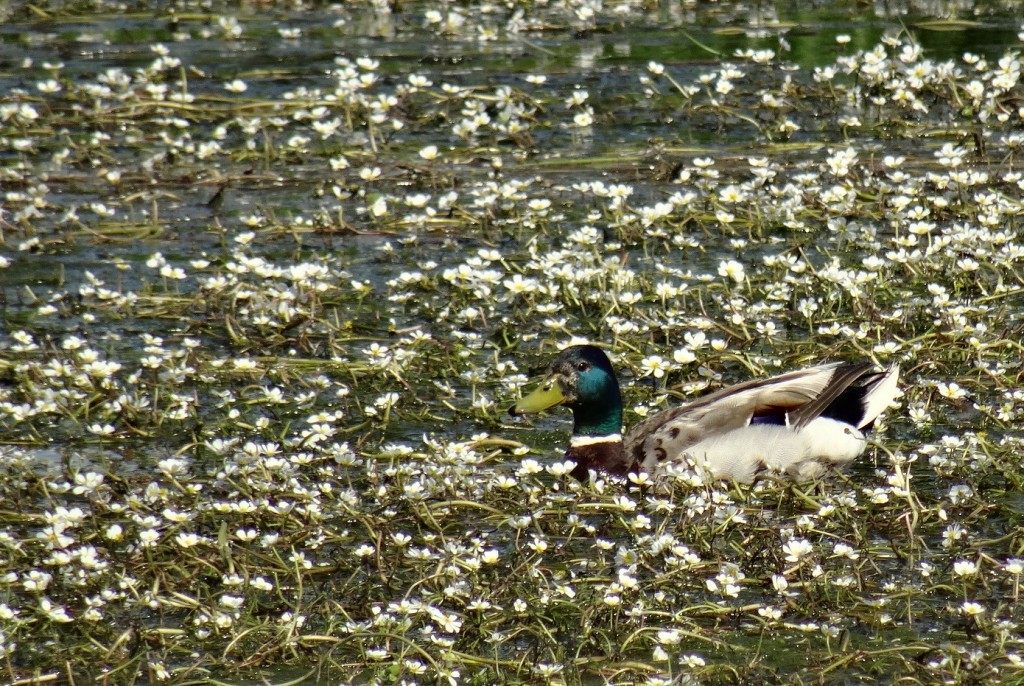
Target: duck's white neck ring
583 441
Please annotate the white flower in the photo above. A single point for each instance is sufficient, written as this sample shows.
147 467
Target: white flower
692 661
232 602
952 390
731 269
561 468
188 539
656 365
972 609
844 550
529 466
797 548
965 568
87 482
779 583
669 637
55 613
102 429
683 356
584 119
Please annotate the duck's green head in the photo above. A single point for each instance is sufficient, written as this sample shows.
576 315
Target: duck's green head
582 378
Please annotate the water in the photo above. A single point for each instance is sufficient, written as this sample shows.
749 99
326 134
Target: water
339 283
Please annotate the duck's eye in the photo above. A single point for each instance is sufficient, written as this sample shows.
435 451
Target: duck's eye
583 366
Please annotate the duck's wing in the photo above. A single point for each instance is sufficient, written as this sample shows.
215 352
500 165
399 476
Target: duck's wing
668 434
842 378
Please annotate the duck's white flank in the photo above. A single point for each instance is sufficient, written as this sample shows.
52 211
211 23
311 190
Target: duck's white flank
806 454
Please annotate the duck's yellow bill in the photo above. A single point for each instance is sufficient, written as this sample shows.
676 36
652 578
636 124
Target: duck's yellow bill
548 394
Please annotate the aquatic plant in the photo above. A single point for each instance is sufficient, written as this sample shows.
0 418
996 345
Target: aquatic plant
262 325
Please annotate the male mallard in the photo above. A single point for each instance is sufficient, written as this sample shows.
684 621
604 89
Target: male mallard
799 424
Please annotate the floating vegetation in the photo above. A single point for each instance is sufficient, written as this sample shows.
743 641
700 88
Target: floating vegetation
268 296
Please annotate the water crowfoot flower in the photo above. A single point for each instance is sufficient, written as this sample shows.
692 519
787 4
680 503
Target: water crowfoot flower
796 549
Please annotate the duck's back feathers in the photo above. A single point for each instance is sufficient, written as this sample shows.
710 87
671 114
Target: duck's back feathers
670 433
873 395
786 423
840 382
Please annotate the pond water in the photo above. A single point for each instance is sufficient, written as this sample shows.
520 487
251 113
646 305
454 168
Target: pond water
272 274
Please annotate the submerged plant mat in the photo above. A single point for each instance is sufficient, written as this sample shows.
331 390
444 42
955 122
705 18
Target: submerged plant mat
264 317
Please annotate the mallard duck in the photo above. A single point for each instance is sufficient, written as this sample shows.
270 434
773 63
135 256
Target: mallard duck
799 424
